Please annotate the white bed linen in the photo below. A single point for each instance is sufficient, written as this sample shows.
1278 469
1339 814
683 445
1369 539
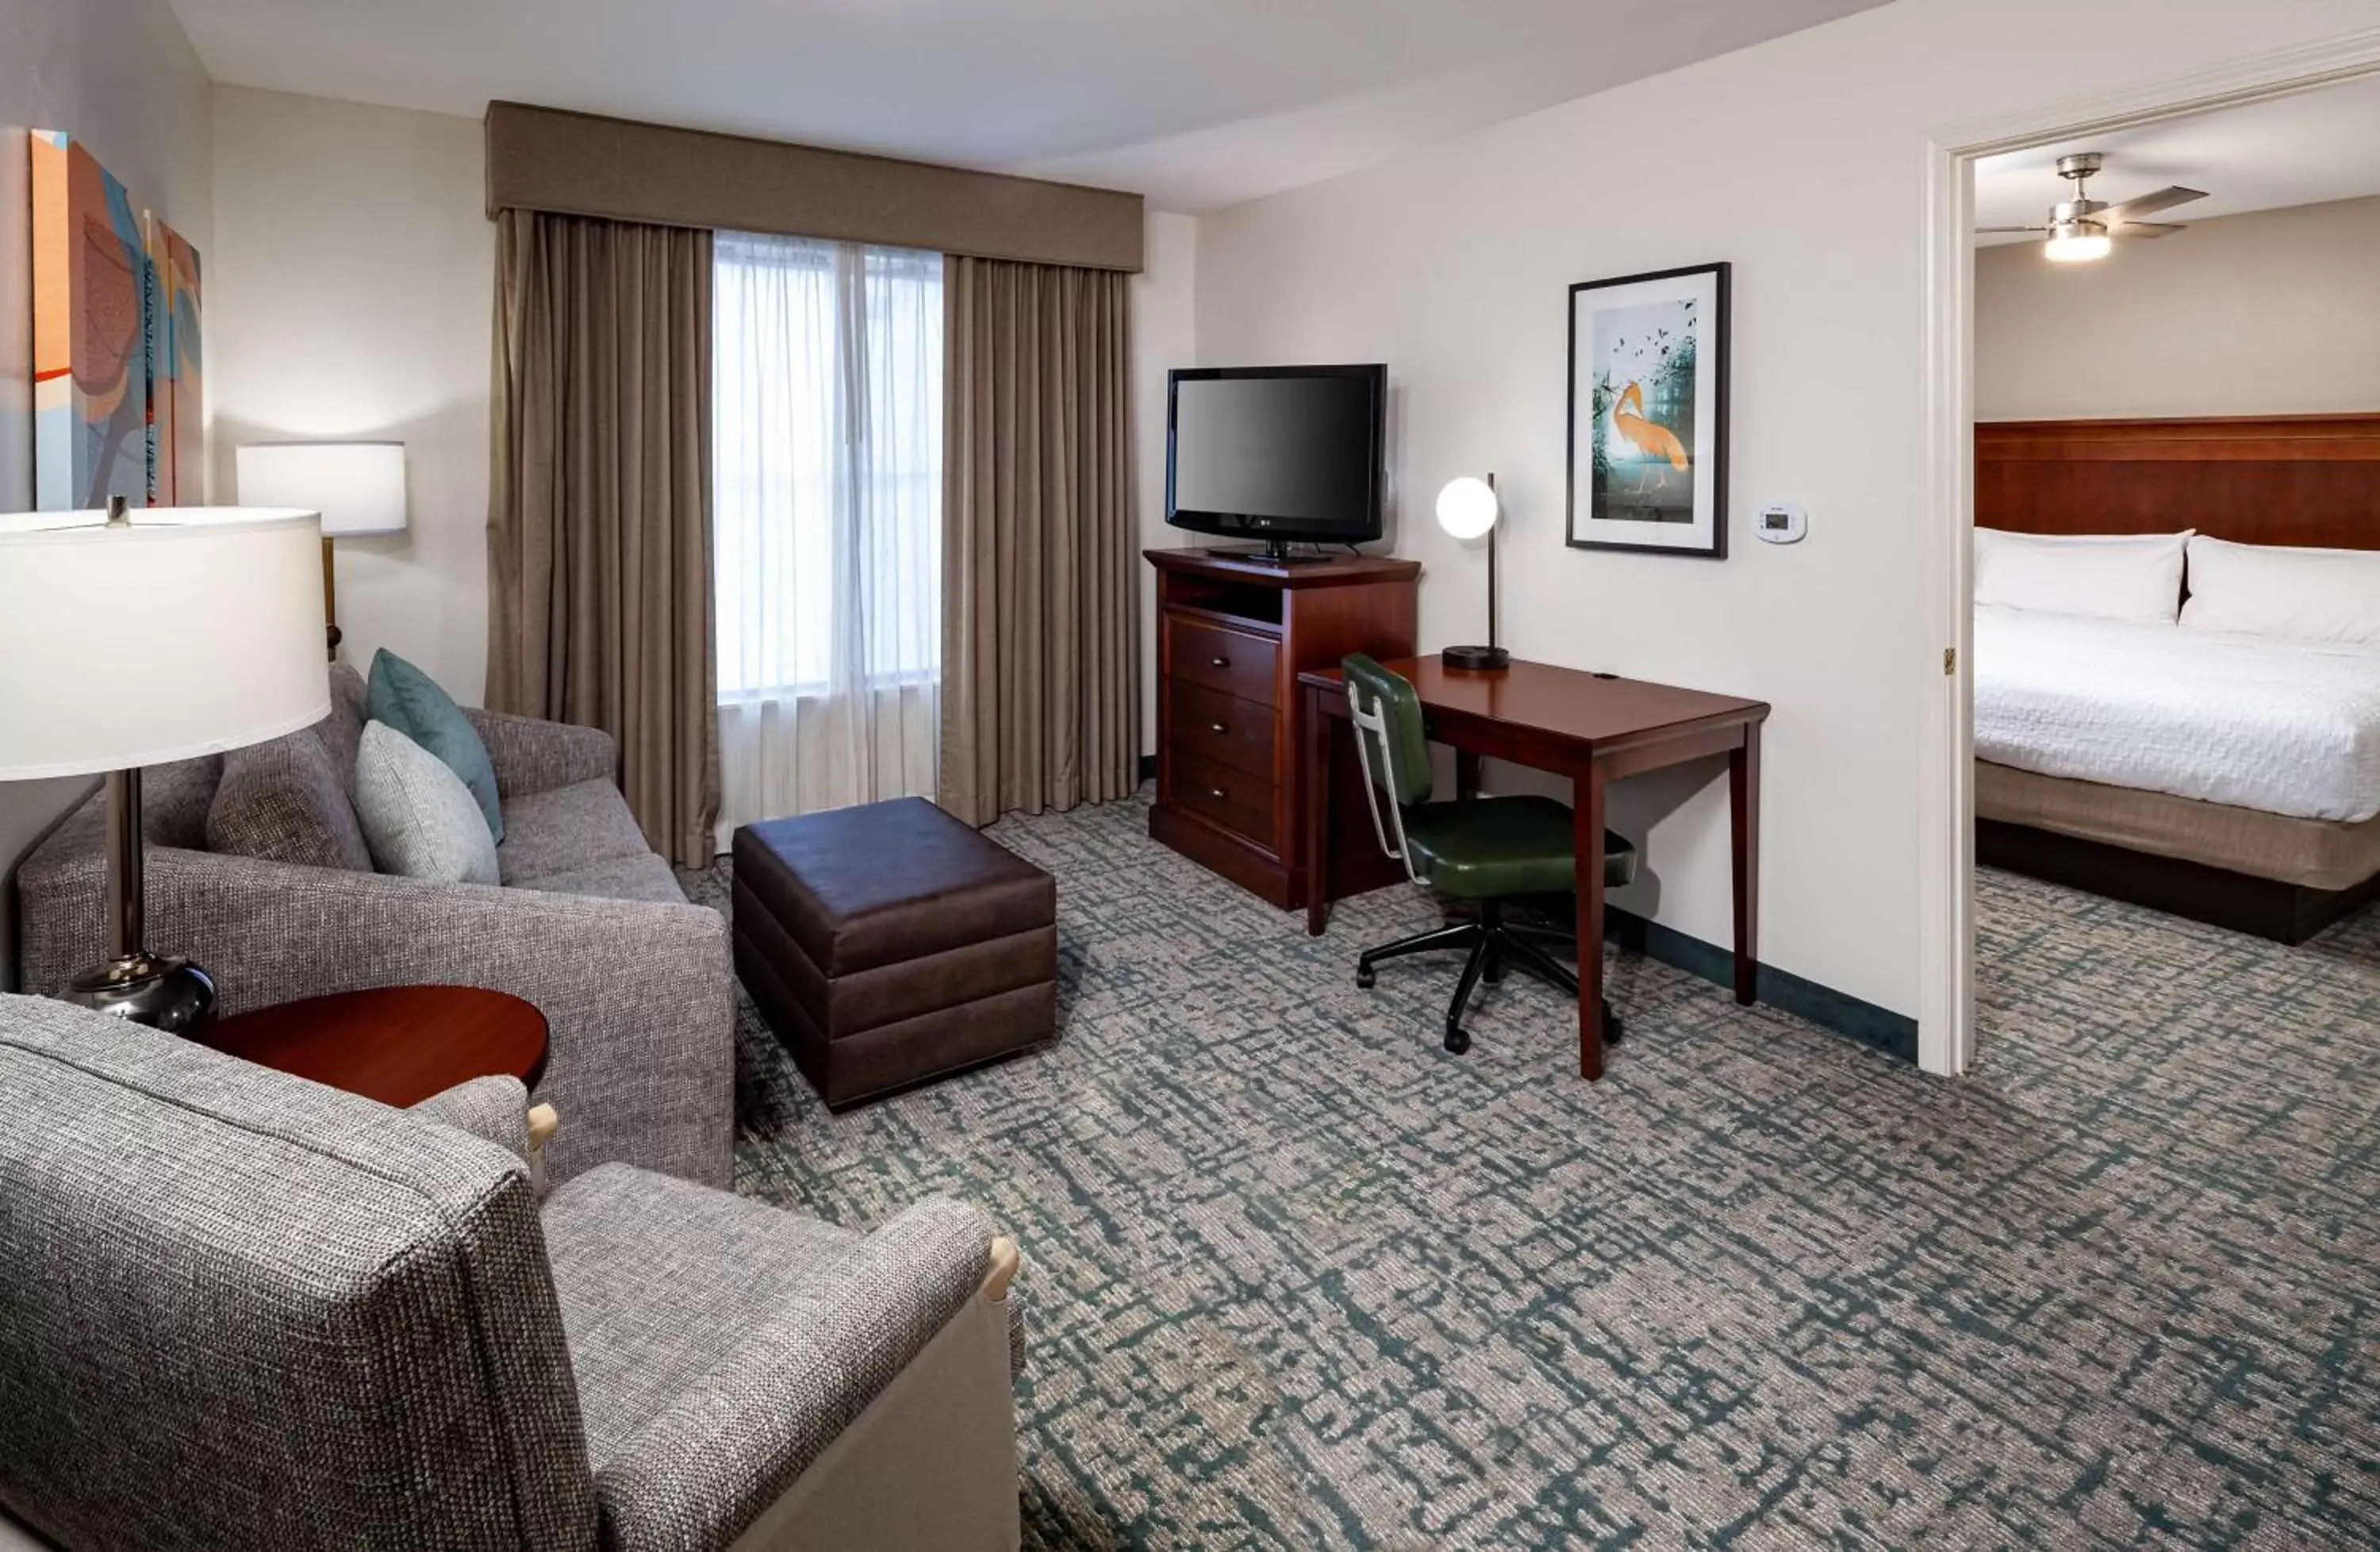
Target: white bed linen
2103 576
2287 727
2286 590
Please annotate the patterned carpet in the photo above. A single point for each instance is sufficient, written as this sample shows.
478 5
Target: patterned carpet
1298 1278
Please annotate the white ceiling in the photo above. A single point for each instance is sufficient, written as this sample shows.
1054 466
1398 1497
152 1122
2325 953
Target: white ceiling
1194 102
2301 150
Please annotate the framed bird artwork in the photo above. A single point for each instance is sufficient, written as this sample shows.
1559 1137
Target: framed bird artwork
1648 412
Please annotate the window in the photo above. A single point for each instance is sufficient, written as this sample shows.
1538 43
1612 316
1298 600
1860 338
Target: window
827 467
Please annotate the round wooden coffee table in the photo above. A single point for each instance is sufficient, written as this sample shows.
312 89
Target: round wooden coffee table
398 1045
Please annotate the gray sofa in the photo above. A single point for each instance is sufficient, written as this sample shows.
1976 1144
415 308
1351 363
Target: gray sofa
239 1309
589 924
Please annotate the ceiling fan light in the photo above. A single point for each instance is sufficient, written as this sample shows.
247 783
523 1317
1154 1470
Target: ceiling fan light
2077 242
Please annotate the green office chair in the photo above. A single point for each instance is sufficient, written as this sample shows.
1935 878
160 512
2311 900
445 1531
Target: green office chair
1488 850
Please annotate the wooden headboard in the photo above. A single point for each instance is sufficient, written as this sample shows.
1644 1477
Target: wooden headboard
2258 480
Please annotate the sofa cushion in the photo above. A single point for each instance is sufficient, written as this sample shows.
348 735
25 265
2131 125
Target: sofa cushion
418 817
657 1275
563 830
246 1310
642 876
174 799
412 703
284 800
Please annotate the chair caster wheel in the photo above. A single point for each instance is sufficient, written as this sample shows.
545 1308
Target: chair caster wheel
1365 977
1613 1030
1457 1042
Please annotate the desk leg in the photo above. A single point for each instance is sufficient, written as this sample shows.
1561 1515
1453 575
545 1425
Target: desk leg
1743 802
1586 849
1466 775
1319 775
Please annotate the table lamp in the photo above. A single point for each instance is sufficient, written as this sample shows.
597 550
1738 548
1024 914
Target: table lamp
358 487
132 637
1467 508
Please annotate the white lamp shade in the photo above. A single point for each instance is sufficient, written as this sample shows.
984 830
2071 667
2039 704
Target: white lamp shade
1468 508
190 631
358 487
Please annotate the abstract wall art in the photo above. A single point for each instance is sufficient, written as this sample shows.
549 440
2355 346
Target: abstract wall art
16 322
176 380
1648 412
90 373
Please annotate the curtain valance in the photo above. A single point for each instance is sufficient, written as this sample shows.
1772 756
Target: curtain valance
571 163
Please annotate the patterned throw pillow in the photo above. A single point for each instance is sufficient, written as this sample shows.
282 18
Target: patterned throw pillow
284 800
410 701
421 820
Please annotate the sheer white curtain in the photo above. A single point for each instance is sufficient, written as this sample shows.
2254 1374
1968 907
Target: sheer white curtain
827 489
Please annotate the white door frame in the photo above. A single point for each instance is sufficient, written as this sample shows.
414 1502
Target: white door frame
1946 1023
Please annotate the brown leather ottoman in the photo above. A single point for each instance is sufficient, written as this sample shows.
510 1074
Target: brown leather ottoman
890 944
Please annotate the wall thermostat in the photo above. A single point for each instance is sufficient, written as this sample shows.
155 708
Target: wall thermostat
1781 522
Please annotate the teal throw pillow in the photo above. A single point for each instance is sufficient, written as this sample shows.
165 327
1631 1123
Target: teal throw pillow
411 702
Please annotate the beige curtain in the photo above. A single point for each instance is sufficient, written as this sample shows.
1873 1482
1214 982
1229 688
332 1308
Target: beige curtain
599 520
1041 690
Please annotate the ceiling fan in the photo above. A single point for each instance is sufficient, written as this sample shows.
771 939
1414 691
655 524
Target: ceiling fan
2082 228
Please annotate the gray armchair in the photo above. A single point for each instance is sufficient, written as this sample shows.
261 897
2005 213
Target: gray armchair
239 1309
589 924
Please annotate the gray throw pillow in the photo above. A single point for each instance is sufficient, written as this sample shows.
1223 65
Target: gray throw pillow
343 727
421 820
284 800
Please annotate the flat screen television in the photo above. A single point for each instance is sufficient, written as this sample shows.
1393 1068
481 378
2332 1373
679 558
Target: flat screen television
1279 454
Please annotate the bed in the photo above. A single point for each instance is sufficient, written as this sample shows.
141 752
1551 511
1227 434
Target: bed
2234 779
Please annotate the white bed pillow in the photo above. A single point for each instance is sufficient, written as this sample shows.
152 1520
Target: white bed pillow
2134 577
2284 590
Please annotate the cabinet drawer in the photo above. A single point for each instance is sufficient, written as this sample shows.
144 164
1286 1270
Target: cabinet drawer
1219 727
1231 798
1233 661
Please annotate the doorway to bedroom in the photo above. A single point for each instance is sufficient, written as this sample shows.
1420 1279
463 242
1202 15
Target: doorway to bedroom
2173 614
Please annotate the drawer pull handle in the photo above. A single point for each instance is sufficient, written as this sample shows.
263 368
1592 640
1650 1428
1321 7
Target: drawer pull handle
1222 662
1219 727
1215 793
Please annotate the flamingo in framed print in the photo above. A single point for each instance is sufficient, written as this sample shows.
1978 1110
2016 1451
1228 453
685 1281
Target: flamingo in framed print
1650 439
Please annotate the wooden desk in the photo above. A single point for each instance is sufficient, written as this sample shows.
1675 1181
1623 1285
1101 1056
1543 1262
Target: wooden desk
1590 727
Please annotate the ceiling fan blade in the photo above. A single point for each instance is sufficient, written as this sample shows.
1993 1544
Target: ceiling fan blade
2149 229
1982 230
2147 204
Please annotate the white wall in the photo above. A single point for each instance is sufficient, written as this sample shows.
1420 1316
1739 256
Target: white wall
1452 267
1163 337
120 75
2273 313
351 296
